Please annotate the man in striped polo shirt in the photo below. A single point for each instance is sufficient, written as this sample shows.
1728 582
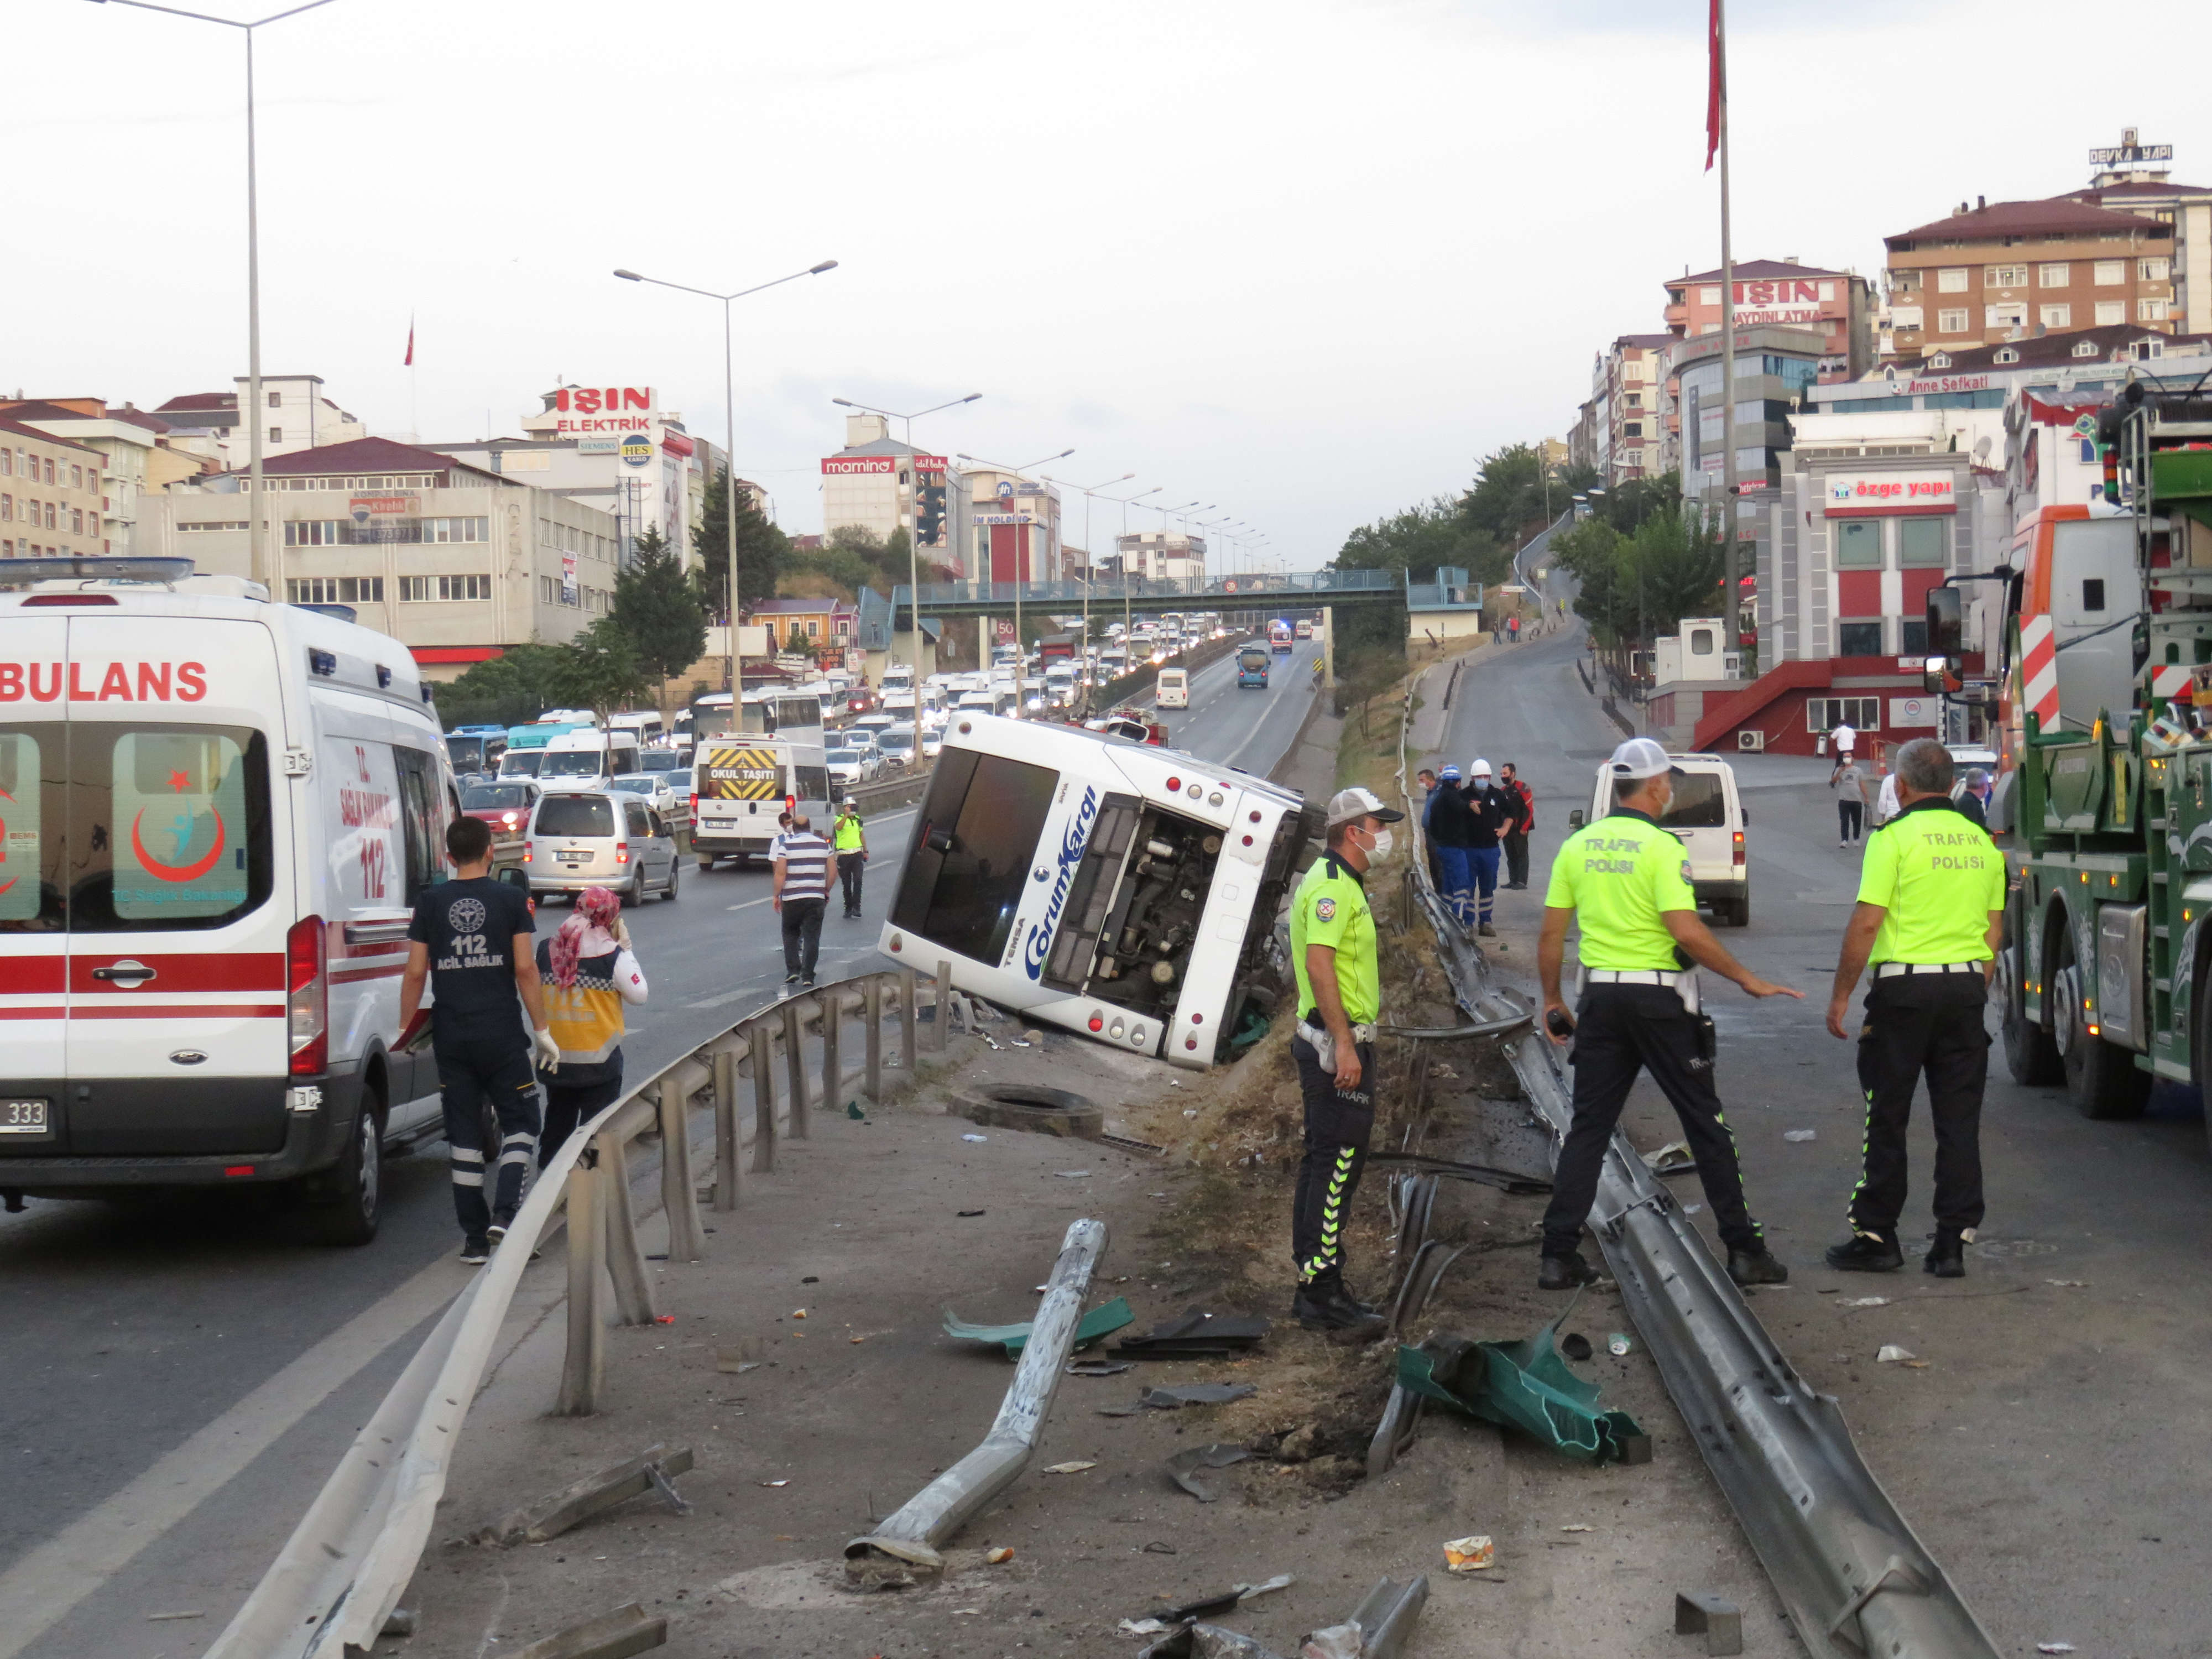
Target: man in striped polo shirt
802 894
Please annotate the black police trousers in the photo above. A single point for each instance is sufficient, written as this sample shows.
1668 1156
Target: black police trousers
1620 1030
1917 1024
1338 1122
473 1073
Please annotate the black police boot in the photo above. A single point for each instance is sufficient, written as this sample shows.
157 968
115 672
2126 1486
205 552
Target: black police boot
1757 1266
1866 1253
1947 1256
1323 1304
1564 1272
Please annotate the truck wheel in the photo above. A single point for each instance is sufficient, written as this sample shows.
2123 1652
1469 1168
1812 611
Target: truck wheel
2030 1055
348 1199
2102 1079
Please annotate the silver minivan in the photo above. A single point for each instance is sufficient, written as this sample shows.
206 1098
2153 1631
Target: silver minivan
592 838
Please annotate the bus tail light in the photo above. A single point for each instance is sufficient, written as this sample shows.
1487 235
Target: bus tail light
307 1005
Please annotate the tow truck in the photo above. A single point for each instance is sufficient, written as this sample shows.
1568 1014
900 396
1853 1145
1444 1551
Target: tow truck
2105 712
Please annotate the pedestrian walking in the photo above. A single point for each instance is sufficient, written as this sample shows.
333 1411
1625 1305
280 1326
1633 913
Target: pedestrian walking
851 841
1849 780
1332 954
1842 741
1888 803
469 942
1972 798
1486 821
1638 1007
1929 921
1449 828
1521 815
589 972
801 895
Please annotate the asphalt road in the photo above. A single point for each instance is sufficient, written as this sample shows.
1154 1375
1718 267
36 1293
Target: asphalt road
182 1374
2041 1454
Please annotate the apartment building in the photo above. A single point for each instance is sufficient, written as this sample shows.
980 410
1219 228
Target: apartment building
50 495
878 483
1628 385
455 561
133 449
2133 177
2015 270
1784 293
295 415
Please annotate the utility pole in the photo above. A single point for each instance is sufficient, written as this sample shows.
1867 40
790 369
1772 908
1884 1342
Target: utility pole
1729 588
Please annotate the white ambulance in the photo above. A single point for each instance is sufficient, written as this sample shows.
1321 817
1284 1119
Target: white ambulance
217 814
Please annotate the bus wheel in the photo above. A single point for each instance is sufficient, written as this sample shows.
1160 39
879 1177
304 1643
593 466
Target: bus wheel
2102 1079
2030 1055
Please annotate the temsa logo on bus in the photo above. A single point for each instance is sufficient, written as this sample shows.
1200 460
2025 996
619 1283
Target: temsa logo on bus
144 682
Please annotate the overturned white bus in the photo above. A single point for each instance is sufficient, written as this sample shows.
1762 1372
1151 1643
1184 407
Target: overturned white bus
1117 889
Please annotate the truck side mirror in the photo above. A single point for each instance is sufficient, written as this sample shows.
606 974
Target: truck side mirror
1931 676
1947 623
1575 819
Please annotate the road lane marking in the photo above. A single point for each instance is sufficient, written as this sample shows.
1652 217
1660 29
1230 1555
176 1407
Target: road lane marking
42 1587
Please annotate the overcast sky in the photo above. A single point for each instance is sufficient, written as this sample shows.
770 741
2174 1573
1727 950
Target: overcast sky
1306 259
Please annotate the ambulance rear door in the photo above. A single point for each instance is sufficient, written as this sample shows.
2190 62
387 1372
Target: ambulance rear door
34 928
181 891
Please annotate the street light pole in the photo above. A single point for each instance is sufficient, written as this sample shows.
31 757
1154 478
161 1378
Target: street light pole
265 569
913 536
730 455
1019 471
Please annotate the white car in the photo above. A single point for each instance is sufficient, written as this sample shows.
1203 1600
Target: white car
850 768
1707 816
668 793
932 741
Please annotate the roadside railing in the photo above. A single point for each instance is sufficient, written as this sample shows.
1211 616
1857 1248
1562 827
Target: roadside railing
341 1574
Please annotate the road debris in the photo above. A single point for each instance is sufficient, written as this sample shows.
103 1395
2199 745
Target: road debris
1183 1468
1378 1628
773 1483
2054 1647
1474 1554
1575 1345
625 1631
1673 1158
974 1137
1800 1135
1073 1175
1100 1367
1891 1354
999 1556
1074 1467
1523 1385
1576 1526
1617 1343
1098 1322
1176 1395
2068 1284
551 1516
1196 1334
162 1618
1700 1613
966 1215
1864 1302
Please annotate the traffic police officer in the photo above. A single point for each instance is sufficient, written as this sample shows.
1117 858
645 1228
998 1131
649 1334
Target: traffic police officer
1339 997
850 842
1930 918
1629 882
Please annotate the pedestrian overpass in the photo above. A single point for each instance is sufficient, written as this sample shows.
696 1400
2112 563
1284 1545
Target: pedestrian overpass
1149 597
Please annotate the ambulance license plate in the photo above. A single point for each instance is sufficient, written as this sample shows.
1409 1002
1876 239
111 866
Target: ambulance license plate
25 1117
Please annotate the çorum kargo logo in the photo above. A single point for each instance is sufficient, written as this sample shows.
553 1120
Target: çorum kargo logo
1071 854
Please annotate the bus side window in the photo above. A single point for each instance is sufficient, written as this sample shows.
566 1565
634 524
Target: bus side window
418 820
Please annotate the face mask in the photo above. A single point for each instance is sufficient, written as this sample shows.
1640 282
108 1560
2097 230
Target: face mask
1481 784
1383 845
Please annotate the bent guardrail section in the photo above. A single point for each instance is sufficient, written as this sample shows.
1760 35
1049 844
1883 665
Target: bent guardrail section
1855 1578
342 1570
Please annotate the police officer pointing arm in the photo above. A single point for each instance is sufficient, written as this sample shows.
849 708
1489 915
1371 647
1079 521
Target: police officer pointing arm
1333 952
1627 880
1930 918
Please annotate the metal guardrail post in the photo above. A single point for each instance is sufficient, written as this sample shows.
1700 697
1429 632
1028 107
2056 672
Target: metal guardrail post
634 1303
584 1367
763 1047
794 1064
679 1197
728 1183
943 1019
872 1012
906 1020
832 1005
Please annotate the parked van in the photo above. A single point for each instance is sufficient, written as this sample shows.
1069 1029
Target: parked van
588 760
220 813
1172 689
1707 816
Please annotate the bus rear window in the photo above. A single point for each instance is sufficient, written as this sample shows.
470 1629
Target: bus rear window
127 828
974 838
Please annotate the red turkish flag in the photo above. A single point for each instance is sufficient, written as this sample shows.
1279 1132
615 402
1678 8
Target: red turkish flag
409 363
1715 84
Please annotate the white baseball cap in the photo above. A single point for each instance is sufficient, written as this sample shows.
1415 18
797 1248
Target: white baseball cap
1349 805
1641 757
1480 770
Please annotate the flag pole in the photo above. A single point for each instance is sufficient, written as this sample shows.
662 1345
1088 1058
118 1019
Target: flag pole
1730 591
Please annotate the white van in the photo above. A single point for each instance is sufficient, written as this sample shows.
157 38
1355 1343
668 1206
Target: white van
588 760
220 811
1172 689
1707 816
645 729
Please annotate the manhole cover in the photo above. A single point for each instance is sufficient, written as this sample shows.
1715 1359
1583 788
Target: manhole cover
1035 1108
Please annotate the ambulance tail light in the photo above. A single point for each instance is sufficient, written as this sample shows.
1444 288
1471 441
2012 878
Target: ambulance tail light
307 1005
1739 846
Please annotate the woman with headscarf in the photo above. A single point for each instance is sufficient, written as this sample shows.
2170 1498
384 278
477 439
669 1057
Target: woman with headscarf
589 974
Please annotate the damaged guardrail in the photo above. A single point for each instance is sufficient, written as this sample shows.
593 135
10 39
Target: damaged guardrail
340 1575
909 1539
1856 1581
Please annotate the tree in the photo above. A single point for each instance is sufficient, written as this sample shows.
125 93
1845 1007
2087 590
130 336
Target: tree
1637 586
510 688
763 551
600 669
656 607
1421 539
